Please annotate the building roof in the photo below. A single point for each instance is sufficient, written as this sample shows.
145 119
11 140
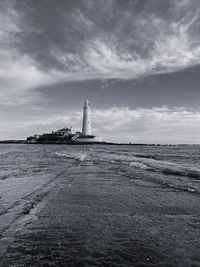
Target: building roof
65 129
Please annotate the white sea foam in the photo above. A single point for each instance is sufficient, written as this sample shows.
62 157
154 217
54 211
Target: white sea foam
139 165
59 154
81 156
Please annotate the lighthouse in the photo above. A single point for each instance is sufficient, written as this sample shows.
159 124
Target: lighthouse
86 125
86 136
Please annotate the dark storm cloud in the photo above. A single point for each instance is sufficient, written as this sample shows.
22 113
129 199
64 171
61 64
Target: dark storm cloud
180 89
107 38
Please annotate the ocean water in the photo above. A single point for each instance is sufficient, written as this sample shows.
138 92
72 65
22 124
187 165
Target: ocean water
29 172
27 168
172 166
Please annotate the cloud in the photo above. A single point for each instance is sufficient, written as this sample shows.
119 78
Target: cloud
142 125
151 125
18 77
47 42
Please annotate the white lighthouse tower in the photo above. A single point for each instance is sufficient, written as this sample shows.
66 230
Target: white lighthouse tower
86 125
86 136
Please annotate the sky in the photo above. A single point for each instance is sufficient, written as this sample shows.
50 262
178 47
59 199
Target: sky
137 61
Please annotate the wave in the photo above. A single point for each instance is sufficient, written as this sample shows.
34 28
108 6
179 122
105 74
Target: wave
170 156
169 168
139 165
145 156
180 186
148 163
142 161
186 172
77 156
80 157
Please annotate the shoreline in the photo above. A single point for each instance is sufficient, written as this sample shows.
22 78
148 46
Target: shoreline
81 143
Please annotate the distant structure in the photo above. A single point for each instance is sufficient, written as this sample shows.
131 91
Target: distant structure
67 135
61 135
86 135
86 125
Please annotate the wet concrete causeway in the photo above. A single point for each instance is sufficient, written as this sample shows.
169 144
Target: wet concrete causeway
96 217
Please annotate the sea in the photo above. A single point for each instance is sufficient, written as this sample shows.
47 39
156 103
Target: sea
26 169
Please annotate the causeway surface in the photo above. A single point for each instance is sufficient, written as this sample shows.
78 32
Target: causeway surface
93 215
